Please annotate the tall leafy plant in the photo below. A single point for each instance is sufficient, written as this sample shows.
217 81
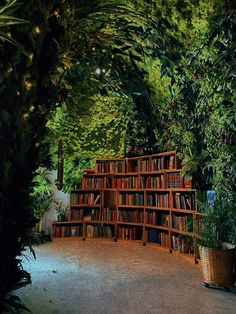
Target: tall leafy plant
42 193
217 225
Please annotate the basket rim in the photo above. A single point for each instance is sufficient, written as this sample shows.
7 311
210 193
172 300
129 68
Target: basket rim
217 249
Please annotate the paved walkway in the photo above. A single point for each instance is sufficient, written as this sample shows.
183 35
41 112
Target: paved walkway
104 277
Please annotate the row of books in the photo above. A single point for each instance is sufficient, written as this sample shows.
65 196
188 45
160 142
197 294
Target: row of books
76 215
174 180
131 199
155 236
152 182
143 182
127 182
102 214
136 182
158 181
182 223
140 164
184 200
84 198
92 182
154 164
99 231
129 233
110 166
164 162
67 231
155 218
183 244
158 199
131 216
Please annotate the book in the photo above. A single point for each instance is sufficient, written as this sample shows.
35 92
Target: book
97 199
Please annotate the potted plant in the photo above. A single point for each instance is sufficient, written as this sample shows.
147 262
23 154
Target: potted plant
217 239
61 210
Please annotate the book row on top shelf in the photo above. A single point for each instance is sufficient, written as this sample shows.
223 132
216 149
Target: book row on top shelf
140 198
149 163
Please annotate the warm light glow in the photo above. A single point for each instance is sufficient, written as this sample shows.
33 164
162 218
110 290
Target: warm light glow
37 30
93 49
9 34
17 93
30 55
103 50
25 116
9 70
31 109
28 85
98 71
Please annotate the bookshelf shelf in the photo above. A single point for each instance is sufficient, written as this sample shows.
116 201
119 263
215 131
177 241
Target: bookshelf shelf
177 231
184 211
84 205
129 223
156 227
142 198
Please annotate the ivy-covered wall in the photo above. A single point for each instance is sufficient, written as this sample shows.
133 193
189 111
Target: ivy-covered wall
169 96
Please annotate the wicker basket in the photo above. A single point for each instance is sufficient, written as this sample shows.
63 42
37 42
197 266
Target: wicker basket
218 266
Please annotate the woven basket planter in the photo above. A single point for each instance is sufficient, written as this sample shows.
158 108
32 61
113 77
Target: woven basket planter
218 266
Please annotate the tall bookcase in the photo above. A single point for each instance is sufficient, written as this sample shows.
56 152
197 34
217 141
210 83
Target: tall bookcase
141 198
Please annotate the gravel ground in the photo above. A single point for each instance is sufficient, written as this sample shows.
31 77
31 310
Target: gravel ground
101 276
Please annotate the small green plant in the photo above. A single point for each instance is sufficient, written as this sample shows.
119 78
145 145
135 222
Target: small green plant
61 210
42 193
217 224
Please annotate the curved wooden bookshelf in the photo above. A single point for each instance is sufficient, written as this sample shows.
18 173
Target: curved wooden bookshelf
139 198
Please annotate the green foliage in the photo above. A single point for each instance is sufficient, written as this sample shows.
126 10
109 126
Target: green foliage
26 97
215 110
6 20
197 117
42 193
96 129
218 222
73 170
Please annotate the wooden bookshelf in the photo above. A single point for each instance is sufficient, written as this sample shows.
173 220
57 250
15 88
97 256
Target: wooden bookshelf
140 198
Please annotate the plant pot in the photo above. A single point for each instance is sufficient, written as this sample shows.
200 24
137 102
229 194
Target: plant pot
218 266
61 217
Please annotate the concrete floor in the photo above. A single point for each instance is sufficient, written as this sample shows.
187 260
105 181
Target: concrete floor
101 276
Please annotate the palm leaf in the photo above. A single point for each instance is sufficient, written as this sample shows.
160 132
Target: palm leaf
10 7
6 20
5 38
